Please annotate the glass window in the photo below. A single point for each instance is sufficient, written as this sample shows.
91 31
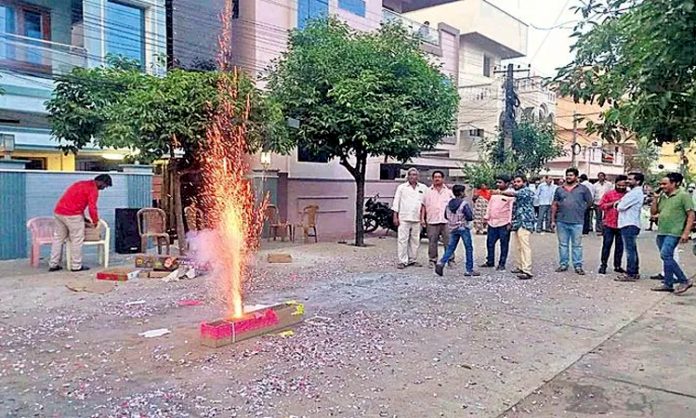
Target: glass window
32 29
125 31
354 6
486 66
23 28
7 26
307 156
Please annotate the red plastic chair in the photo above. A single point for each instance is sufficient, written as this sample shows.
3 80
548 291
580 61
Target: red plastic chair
41 229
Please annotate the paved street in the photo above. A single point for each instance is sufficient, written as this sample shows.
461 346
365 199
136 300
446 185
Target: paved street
377 342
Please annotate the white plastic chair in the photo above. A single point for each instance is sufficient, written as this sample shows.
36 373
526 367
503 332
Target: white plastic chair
102 245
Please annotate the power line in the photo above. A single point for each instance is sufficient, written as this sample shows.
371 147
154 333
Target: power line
546 37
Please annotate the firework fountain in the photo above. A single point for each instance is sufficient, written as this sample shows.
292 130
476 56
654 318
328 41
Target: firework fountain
234 217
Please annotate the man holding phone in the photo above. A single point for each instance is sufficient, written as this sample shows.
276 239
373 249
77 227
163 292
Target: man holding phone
674 209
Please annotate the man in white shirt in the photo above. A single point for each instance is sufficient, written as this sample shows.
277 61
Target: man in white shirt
407 204
544 194
587 225
600 188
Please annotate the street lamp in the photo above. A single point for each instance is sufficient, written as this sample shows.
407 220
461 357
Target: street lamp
7 144
265 159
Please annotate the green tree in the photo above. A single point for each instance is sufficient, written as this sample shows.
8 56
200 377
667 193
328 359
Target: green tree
534 144
646 153
121 107
638 57
361 94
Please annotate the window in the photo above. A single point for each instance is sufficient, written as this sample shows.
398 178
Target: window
35 163
235 9
356 7
95 163
125 31
23 30
389 171
306 156
486 66
476 132
310 9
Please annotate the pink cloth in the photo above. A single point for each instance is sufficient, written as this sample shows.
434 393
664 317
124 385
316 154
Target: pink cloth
435 203
499 212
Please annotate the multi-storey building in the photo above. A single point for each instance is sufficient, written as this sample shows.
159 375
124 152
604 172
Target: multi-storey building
488 35
592 154
259 34
41 39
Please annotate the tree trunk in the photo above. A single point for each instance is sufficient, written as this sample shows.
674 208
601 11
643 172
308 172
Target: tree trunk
179 212
359 209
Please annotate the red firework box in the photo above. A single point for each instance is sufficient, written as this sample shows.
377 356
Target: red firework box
262 321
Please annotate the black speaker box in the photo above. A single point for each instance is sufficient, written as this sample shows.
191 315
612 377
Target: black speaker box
127 237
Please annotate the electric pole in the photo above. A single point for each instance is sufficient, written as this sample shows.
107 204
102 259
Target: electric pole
511 103
575 139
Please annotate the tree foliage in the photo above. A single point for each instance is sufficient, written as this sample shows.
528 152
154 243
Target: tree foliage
638 57
119 106
361 94
534 144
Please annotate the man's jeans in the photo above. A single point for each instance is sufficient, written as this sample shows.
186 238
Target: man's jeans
629 235
544 218
599 218
612 236
569 233
454 236
667 244
496 233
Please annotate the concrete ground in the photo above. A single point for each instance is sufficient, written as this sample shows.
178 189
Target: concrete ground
376 342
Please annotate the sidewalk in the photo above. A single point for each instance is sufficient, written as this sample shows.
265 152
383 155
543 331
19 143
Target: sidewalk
377 342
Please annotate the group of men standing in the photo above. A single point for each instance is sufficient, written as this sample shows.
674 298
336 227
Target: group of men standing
515 209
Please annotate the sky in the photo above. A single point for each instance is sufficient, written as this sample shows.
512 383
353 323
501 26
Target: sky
546 49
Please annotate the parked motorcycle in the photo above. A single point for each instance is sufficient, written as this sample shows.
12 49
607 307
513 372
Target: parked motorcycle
377 215
380 215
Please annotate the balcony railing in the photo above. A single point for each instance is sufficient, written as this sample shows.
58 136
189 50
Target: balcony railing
425 32
481 92
39 57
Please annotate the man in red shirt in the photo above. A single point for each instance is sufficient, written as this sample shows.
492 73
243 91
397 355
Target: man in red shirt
70 219
611 232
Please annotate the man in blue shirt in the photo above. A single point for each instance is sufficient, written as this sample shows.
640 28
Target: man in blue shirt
570 202
629 208
544 194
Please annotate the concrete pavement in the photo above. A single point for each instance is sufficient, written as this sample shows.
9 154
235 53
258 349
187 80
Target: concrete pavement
378 342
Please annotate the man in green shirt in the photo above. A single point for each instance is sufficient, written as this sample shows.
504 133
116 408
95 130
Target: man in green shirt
674 210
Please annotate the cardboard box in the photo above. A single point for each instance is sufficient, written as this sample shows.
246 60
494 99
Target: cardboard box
253 324
279 258
156 262
92 234
118 274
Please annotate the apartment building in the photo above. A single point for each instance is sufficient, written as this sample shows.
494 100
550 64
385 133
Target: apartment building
41 39
488 35
592 154
259 34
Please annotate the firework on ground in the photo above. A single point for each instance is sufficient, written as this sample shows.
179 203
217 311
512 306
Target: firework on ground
232 213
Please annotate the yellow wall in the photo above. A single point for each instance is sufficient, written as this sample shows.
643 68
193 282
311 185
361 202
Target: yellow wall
670 159
55 161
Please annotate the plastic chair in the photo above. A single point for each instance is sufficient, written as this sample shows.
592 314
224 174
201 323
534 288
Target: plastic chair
41 229
308 223
152 224
102 245
275 225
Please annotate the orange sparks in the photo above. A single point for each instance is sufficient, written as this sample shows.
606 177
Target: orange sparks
227 192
